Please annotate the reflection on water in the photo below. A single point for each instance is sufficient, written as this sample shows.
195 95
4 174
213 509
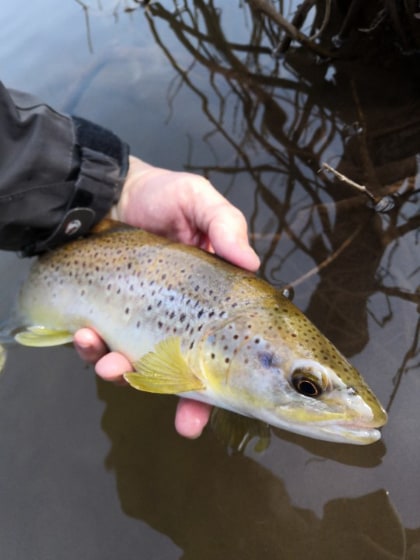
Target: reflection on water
194 85
231 505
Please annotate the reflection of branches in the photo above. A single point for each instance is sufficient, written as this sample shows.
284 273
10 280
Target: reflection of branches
87 23
405 295
328 260
411 353
278 132
258 105
268 9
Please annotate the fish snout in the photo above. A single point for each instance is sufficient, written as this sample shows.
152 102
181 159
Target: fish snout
360 407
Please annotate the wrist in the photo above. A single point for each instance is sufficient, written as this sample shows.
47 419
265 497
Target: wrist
137 172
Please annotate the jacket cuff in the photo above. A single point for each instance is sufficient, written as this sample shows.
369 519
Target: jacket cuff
98 139
100 165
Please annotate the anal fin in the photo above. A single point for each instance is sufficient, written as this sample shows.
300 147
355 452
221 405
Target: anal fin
40 337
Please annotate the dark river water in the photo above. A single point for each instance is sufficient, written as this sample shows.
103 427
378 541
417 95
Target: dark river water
92 471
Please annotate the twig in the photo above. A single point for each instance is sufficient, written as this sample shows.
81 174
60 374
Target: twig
353 184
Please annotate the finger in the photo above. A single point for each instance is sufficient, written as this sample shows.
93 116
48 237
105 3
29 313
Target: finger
112 367
89 345
227 232
223 224
191 418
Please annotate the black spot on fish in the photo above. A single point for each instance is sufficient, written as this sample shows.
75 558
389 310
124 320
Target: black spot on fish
265 359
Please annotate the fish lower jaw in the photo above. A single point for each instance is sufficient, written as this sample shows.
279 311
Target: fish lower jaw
337 433
331 431
356 436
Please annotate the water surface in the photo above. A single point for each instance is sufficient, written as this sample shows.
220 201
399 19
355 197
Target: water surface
89 470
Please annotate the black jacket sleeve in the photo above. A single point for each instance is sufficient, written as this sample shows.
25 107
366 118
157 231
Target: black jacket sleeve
59 175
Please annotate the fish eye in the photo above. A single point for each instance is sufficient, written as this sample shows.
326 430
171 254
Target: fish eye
306 383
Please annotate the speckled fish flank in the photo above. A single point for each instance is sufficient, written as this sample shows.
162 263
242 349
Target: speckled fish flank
195 325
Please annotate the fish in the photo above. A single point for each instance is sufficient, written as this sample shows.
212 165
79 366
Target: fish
197 326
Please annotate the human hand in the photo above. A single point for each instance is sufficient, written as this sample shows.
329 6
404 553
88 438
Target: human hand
184 207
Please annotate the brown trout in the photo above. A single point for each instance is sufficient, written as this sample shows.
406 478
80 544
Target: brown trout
194 325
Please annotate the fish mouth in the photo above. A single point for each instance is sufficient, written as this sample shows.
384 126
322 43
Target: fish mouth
339 433
356 431
351 433
361 431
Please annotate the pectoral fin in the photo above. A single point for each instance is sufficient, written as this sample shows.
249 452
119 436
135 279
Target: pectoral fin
39 336
164 371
